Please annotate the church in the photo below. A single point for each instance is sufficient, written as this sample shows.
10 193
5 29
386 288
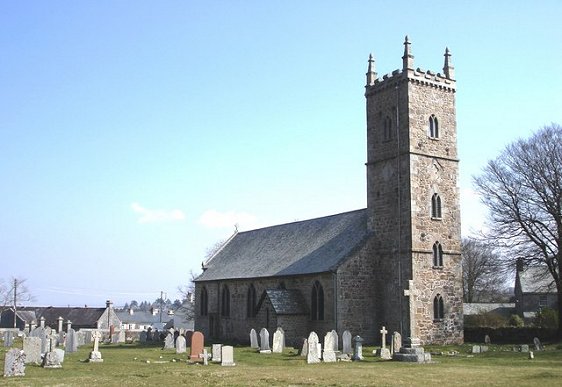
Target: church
396 263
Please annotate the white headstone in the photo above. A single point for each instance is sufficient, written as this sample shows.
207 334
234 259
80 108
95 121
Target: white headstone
264 341
227 356
51 360
14 363
279 341
169 341
32 349
313 356
60 354
181 345
253 339
71 342
304 349
217 353
346 342
330 347
396 342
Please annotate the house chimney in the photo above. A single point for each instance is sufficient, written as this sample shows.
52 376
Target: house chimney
108 304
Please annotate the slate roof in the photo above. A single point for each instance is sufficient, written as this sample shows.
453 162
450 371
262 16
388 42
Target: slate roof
306 247
79 317
287 301
475 308
536 279
140 317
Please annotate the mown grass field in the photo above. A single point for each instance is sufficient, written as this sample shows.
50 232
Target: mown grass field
144 365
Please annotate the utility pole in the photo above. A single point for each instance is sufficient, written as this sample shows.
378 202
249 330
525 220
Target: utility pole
15 299
161 303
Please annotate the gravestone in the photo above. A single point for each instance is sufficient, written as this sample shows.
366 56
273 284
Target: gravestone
14 363
330 347
396 342
60 353
205 356
41 333
412 352
71 342
217 353
143 337
95 355
304 348
278 340
487 340
346 342
180 345
475 349
149 335
264 341
524 348
122 336
87 337
383 352
197 345
169 341
53 341
313 355
227 356
358 348
254 339
188 336
32 349
8 338
51 360
531 355
538 344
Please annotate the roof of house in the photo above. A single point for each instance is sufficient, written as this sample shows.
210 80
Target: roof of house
79 317
536 279
475 308
140 317
287 301
305 247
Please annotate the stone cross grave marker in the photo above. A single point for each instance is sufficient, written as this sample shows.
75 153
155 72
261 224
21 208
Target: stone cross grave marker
227 356
264 341
411 293
383 332
254 339
32 349
197 345
313 356
181 345
278 340
14 363
95 355
346 342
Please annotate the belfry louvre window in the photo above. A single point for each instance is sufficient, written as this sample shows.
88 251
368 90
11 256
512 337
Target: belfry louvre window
225 301
436 206
317 302
204 301
438 308
251 301
437 255
433 129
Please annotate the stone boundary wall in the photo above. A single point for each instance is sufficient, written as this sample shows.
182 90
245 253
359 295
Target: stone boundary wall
509 335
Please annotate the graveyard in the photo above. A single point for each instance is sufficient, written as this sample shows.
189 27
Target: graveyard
157 363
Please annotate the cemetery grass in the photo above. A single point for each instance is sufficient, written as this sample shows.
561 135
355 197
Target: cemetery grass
147 365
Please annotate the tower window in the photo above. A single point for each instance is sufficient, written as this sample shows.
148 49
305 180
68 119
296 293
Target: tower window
225 301
317 302
204 302
433 126
387 128
251 302
438 308
437 255
436 206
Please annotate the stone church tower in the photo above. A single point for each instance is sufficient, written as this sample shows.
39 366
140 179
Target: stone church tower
413 200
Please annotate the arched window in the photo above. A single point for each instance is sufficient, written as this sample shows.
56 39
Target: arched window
251 301
317 302
225 301
387 128
438 308
433 127
437 254
436 206
204 302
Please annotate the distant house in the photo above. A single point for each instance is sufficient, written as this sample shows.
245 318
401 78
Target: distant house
479 308
141 319
182 318
534 289
89 318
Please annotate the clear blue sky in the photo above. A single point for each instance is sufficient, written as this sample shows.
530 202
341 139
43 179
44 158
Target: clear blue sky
135 134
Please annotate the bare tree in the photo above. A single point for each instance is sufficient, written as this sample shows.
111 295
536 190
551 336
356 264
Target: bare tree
187 293
13 294
522 189
483 274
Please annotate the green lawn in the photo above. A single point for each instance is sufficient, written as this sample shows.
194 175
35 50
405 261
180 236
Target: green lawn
140 365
